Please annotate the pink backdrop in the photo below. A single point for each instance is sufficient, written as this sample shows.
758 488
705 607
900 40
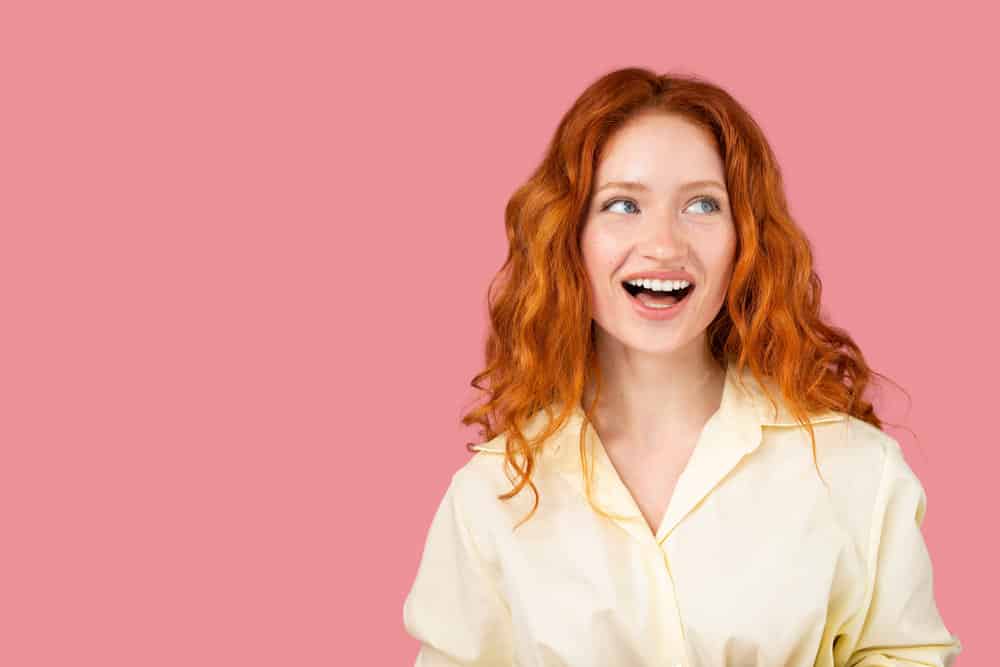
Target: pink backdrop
243 264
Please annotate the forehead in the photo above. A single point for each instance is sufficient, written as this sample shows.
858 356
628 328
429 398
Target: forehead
662 150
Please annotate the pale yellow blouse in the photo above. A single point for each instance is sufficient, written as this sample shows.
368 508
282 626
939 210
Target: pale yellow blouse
756 562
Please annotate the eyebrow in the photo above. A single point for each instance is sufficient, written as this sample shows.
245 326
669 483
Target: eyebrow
642 187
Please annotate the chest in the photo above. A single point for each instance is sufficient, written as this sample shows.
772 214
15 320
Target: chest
651 479
744 580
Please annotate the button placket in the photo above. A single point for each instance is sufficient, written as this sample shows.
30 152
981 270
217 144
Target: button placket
675 626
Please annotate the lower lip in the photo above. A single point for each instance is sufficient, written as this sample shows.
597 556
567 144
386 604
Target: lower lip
649 313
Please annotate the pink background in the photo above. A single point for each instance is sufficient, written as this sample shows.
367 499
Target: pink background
243 264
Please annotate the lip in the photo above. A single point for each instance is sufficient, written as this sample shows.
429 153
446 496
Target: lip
661 275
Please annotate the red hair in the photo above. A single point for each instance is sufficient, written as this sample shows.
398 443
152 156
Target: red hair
540 351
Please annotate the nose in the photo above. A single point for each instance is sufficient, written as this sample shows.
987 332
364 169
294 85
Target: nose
664 237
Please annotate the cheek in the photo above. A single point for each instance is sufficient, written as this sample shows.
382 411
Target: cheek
600 254
721 254
722 269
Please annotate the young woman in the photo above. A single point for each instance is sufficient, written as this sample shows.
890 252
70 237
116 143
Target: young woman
708 485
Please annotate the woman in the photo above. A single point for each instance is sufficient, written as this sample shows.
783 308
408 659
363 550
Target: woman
708 486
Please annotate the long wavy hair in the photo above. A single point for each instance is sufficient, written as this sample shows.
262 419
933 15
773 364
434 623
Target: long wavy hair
540 348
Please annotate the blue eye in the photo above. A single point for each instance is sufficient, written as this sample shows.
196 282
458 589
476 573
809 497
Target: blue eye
617 201
712 200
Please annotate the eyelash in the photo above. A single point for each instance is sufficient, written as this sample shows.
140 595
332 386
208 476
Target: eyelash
715 202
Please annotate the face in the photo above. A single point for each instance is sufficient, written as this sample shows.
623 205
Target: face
668 222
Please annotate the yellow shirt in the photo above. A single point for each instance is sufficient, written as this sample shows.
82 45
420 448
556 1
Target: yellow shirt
756 562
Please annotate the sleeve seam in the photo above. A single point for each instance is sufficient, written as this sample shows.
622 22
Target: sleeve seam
486 568
465 525
874 531
877 519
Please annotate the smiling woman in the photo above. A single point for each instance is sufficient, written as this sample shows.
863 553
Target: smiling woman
708 484
670 167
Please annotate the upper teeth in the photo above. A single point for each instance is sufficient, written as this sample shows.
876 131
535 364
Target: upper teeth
660 285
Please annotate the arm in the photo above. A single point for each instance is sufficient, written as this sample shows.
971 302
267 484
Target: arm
902 625
455 608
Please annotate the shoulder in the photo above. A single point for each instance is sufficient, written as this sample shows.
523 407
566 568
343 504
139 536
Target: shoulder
868 474
489 463
487 475
847 448
851 445
480 480
877 451
852 456
483 471
899 485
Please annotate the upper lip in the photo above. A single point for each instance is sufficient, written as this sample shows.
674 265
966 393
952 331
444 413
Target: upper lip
660 275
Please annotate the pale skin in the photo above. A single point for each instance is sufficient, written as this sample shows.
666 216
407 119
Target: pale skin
660 384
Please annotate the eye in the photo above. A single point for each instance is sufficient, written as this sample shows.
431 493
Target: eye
617 201
711 200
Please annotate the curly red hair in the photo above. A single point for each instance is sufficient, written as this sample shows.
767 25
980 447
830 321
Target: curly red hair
540 352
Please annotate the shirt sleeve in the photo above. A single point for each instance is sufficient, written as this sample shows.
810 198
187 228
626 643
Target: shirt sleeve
454 607
902 625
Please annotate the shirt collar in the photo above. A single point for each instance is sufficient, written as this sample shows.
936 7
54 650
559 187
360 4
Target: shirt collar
731 433
744 407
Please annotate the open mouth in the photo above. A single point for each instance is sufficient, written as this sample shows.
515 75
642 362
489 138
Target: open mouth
655 298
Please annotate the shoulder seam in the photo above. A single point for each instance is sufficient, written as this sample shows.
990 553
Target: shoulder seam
877 511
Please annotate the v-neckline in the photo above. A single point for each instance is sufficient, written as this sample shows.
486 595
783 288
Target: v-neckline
606 470
729 434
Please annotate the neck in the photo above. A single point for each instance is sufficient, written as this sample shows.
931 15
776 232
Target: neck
649 401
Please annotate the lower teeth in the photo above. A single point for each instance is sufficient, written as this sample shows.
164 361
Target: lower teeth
663 307
651 301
